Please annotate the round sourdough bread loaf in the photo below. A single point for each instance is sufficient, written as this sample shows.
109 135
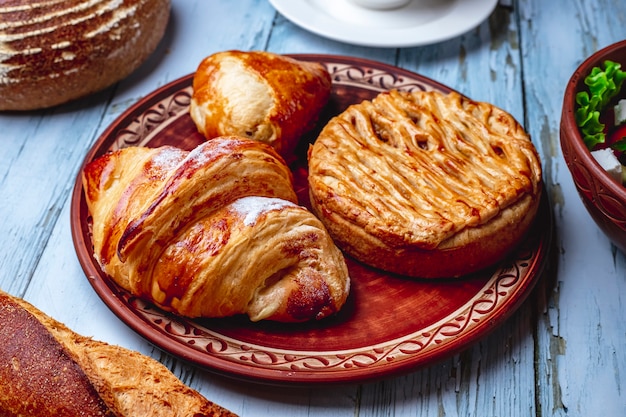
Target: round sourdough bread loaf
425 184
54 51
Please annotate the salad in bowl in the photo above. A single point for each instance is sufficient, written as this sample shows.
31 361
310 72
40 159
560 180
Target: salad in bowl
601 116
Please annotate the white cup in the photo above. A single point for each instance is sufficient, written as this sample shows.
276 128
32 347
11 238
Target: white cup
381 4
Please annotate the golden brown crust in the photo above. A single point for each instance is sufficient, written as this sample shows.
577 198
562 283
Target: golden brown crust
259 95
28 354
266 257
56 51
140 197
425 184
49 370
213 232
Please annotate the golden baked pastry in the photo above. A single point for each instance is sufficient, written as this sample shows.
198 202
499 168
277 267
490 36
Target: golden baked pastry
425 184
46 369
213 232
55 51
259 95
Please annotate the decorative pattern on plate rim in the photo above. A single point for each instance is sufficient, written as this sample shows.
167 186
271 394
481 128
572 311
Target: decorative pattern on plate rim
493 295
371 78
142 129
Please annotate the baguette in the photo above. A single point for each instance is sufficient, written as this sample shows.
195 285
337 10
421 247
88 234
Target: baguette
46 369
54 51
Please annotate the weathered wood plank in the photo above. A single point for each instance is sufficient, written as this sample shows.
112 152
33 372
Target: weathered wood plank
580 362
42 150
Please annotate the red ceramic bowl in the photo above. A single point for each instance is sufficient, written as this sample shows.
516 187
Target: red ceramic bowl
604 198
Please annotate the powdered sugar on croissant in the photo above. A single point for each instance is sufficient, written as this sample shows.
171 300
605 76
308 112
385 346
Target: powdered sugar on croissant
213 232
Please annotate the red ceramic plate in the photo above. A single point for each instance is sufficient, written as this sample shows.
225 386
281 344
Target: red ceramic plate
390 324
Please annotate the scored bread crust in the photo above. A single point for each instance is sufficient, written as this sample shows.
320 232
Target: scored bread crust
425 184
52 52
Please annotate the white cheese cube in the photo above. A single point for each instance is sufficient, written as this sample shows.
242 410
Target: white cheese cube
607 160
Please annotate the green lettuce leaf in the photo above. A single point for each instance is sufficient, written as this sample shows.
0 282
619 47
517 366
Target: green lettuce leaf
603 84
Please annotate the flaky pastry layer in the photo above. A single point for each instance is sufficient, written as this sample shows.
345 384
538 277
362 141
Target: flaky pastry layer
214 232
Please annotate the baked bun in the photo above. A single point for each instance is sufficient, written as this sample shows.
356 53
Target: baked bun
425 184
46 369
259 95
214 232
54 51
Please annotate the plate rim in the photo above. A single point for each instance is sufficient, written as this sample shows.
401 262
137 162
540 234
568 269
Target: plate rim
469 15
106 289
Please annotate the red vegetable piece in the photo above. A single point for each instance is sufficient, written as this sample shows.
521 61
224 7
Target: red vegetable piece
617 134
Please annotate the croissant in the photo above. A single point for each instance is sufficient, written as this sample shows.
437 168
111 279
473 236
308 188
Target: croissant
46 369
259 95
213 232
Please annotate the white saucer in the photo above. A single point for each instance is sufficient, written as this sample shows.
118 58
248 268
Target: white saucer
420 22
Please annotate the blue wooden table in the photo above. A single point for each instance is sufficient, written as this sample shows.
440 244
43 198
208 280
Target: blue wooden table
563 353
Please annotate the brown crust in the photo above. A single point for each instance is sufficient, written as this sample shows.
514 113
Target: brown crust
36 371
60 51
259 95
425 184
213 232
48 370
266 257
134 193
482 245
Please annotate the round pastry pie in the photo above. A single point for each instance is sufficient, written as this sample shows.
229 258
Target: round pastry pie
425 184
